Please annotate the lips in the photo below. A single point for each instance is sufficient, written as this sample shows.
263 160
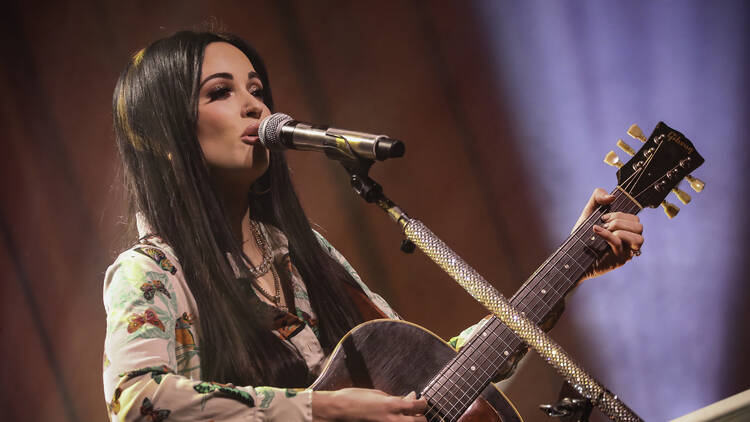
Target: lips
250 135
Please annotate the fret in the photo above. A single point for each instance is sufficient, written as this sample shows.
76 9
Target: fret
460 382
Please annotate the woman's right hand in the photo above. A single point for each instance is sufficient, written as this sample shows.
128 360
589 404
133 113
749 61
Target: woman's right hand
365 405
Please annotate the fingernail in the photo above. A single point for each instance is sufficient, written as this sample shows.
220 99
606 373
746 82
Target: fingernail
606 217
598 229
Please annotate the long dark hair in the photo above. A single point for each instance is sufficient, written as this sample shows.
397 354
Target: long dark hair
168 182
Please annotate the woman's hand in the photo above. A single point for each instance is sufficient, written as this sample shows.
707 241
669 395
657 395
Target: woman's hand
623 232
364 405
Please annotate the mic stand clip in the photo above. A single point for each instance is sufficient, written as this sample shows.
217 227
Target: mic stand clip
372 192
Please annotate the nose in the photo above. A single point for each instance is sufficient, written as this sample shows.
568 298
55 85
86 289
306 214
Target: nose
252 107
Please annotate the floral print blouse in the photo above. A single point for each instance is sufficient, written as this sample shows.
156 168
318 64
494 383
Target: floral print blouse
151 366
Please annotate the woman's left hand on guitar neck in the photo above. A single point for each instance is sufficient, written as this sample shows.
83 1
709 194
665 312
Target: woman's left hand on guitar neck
623 232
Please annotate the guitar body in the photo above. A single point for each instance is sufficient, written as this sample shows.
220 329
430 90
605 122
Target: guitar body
399 357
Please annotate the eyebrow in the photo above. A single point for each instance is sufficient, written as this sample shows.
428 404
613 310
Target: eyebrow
225 75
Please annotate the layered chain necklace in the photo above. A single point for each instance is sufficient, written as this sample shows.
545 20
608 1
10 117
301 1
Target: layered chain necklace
264 267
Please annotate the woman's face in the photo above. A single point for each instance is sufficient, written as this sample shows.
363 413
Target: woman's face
230 109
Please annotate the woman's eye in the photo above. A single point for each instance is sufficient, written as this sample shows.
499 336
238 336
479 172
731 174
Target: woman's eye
258 93
219 92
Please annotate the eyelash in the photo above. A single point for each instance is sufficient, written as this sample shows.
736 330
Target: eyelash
221 91
258 93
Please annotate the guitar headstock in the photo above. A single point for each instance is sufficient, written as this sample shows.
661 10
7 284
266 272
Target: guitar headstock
665 158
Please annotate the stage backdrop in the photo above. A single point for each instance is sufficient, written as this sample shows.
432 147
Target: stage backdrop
507 110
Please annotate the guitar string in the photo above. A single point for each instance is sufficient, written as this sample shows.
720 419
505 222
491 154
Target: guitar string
555 288
483 384
557 283
533 286
585 226
559 276
648 162
475 387
452 368
562 274
575 237
477 381
554 284
444 392
460 396
482 351
466 395
453 393
440 385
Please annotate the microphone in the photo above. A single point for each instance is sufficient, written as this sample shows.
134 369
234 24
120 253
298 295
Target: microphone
279 132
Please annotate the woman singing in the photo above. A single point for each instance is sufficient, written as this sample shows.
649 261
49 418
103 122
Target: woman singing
227 303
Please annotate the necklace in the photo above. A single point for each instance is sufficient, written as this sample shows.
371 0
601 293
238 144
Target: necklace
264 248
276 296
264 266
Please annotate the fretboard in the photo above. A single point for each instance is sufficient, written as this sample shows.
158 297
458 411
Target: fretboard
459 383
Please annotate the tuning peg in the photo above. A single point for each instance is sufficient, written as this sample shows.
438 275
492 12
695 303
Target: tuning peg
625 147
695 183
636 133
681 195
670 209
612 159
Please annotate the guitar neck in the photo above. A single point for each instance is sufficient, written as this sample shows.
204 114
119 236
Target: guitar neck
562 270
665 158
464 378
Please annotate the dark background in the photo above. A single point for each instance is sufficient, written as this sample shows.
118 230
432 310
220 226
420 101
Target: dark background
506 109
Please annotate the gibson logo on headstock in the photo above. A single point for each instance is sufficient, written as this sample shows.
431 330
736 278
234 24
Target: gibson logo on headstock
675 137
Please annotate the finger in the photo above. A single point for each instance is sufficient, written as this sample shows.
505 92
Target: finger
610 216
411 396
621 215
614 241
413 407
599 196
630 241
621 242
624 225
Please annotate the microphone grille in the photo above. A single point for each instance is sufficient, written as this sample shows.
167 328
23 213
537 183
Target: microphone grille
269 132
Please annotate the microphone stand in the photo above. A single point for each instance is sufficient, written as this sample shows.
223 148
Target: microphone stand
417 234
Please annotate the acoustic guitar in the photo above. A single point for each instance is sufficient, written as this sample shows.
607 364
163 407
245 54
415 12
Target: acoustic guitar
398 357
